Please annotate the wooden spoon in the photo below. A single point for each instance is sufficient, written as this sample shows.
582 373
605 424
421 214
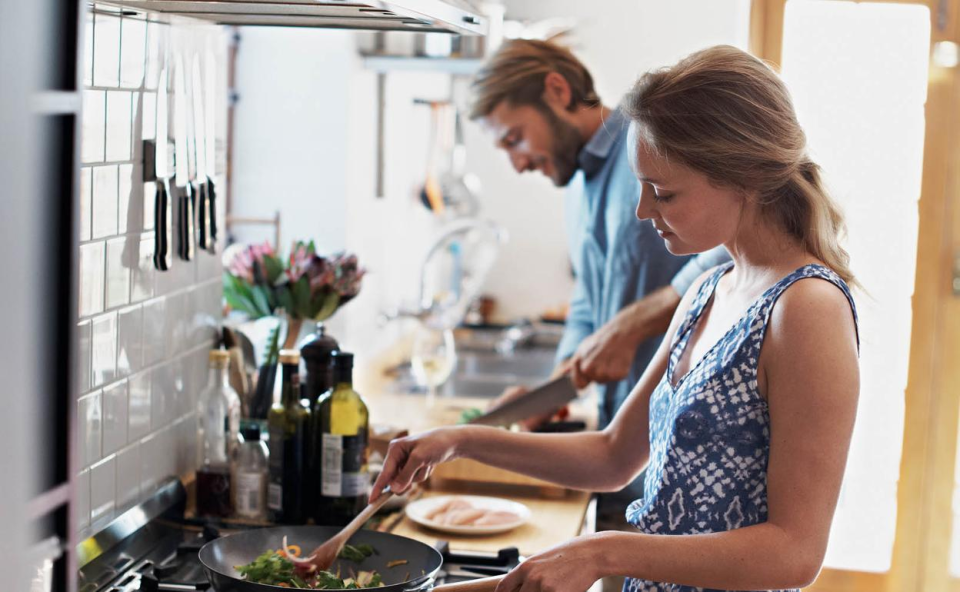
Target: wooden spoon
327 553
479 585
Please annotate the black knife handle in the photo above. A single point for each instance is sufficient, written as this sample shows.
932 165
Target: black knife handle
162 219
212 207
203 217
191 216
185 222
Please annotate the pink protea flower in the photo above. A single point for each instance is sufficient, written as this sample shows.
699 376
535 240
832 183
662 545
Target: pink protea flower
321 274
300 256
348 275
246 263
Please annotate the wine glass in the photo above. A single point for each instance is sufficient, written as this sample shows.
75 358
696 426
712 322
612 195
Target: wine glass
433 359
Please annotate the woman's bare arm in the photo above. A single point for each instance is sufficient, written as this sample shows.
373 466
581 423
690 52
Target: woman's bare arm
597 461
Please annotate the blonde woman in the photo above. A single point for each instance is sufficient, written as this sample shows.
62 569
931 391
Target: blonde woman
744 416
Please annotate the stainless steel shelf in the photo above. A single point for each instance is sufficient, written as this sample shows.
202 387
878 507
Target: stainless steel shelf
445 16
459 66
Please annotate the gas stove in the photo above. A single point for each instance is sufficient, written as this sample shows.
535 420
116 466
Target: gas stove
153 548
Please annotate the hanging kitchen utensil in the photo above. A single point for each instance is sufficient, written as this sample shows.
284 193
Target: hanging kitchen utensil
448 188
210 145
162 258
184 190
458 187
202 204
431 194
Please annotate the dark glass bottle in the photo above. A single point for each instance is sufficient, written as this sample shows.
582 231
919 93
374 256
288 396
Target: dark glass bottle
289 424
341 424
316 351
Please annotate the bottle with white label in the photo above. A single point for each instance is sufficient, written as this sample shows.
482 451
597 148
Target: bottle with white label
341 423
251 474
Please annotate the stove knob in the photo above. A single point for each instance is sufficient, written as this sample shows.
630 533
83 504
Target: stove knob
149 583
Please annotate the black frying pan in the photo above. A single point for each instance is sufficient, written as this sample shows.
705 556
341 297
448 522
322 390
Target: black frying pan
221 556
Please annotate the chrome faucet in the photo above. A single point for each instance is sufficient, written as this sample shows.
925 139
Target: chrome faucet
517 335
470 270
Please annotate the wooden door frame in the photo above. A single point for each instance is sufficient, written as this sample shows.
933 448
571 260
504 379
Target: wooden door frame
920 561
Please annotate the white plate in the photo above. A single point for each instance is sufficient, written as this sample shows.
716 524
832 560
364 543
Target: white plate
418 511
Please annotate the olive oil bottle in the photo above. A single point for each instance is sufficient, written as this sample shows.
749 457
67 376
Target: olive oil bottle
289 424
341 423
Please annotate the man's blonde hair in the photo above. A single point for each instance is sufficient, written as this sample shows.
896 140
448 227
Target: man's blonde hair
516 74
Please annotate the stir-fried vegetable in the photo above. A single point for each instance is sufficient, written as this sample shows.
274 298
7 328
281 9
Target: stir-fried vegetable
468 415
271 568
283 568
356 553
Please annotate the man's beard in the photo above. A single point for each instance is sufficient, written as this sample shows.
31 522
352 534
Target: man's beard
566 146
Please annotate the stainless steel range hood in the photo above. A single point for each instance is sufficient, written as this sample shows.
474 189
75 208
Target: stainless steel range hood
447 16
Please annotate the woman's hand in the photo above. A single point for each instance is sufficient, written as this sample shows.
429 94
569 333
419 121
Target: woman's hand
411 460
571 567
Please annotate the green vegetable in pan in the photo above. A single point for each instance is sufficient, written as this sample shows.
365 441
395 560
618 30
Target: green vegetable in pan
285 569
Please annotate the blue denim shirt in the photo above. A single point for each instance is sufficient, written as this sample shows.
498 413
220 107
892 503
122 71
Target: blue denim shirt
617 258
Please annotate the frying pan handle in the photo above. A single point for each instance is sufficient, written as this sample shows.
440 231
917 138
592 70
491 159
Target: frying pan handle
479 585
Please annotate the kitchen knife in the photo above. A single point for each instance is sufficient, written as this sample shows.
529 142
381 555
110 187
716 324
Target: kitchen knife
210 143
546 398
200 149
184 191
162 258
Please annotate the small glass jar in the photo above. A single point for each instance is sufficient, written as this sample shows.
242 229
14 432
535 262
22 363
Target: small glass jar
251 474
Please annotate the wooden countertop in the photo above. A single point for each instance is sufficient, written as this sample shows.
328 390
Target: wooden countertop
409 410
556 515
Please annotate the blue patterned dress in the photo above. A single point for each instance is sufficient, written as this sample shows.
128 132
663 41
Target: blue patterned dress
710 436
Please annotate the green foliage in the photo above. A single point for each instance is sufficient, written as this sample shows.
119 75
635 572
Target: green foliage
273 569
356 553
272 268
269 568
273 346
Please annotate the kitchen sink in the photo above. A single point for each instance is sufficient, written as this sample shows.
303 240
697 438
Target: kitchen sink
482 370
526 363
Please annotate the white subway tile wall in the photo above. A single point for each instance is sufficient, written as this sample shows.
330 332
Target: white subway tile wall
143 334
103 491
105 201
114 417
85 205
128 477
83 500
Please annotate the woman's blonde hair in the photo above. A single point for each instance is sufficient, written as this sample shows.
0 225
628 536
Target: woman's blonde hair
516 73
724 113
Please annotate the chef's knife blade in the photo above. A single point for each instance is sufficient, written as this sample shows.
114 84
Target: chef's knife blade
181 170
200 127
544 399
163 217
199 123
210 143
200 187
184 191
